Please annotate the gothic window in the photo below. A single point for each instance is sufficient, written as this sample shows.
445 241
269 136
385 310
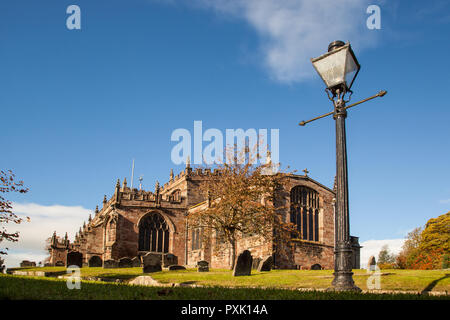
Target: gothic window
176 196
112 231
154 233
196 239
220 237
305 212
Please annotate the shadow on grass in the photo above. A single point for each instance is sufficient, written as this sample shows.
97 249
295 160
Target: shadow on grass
432 284
187 283
119 276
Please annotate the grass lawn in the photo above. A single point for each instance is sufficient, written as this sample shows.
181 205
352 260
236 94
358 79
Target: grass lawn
403 280
32 288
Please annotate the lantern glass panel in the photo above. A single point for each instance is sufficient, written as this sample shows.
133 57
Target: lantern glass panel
338 67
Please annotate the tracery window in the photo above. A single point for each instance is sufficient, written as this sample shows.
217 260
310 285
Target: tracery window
196 239
305 212
112 231
176 196
154 233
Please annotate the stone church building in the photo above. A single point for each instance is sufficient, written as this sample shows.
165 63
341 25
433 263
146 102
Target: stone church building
134 222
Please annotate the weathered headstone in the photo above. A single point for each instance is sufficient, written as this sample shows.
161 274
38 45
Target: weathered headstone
74 258
151 262
95 262
266 264
26 263
144 281
136 262
371 263
243 266
316 267
109 264
176 267
169 259
125 263
203 266
256 262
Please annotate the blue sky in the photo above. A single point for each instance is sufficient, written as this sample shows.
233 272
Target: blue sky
78 105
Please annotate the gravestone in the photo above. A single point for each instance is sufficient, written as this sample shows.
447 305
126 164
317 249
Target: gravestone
26 263
243 266
136 262
256 262
109 264
316 267
59 264
266 264
176 267
371 263
169 259
74 258
203 266
95 262
125 263
151 262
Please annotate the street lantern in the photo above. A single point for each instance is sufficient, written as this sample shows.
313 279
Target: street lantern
338 68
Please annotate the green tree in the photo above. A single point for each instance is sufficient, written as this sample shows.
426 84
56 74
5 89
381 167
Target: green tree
427 248
436 235
410 249
385 257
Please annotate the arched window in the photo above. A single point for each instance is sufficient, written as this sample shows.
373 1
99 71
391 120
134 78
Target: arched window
176 196
196 240
154 233
305 212
112 231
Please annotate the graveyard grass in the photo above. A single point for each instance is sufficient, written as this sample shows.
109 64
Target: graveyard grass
220 284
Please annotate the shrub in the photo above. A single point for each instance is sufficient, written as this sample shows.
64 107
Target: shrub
387 266
445 261
429 260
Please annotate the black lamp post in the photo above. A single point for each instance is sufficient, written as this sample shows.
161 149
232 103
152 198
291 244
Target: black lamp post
338 68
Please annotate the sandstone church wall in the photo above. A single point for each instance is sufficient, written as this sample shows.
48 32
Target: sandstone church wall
113 233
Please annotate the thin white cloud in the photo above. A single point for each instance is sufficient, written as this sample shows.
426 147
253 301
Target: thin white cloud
444 201
293 31
373 247
44 221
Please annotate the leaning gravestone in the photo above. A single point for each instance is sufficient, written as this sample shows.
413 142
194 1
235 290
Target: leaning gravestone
95 261
125 263
266 264
176 267
151 262
371 263
243 266
256 262
74 258
109 264
136 262
203 266
169 259
26 263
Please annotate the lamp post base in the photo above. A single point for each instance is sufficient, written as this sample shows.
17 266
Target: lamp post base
343 281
